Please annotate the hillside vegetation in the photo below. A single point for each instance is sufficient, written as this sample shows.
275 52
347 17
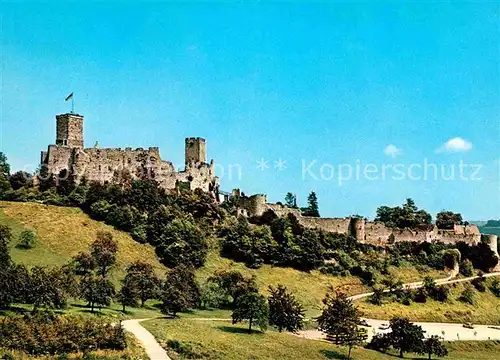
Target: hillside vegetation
63 232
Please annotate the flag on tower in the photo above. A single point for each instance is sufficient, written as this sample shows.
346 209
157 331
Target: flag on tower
70 96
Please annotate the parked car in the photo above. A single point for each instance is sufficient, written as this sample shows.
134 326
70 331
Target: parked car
364 323
468 326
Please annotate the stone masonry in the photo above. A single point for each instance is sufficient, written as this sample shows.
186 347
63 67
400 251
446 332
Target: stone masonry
106 164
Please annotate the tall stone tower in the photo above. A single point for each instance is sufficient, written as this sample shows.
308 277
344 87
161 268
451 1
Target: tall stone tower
69 130
196 150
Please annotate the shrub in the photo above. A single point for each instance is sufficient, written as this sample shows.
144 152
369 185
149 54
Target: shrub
468 295
495 287
479 283
43 333
466 268
28 239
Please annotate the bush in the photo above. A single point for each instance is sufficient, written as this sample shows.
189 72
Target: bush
479 283
495 287
466 268
468 295
28 239
185 349
43 333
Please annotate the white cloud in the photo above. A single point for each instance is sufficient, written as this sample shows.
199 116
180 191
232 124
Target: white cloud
392 151
456 144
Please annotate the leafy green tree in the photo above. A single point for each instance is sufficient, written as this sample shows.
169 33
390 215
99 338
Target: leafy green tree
212 295
20 179
96 290
434 346
312 208
104 250
84 263
252 307
180 291
339 320
233 284
291 200
128 294
406 216
4 166
181 243
141 275
285 312
6 280
448 219
405 336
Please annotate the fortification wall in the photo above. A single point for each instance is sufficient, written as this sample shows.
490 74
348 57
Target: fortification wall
58 158
336 225
283 211
376 233
101 164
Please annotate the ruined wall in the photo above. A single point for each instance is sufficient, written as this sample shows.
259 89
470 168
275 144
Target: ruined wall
101 164
255 205
336 225
376 233
58 158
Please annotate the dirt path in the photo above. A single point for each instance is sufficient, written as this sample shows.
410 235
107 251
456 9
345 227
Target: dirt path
147 340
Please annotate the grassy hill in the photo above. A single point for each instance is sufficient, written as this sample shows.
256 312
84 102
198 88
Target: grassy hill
63 232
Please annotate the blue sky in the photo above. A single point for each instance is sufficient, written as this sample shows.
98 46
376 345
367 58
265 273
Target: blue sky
327 84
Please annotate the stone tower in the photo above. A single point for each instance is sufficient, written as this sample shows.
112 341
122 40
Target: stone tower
196 150
69 132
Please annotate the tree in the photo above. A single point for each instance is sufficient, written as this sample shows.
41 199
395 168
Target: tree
181 243
312 208
405 336
340 319
252 307
406 216
285 312
97 291
291 200
180 291
448 219
20 179
129 294
84 263
434 346
233 283
6 280
141 276
4 166
104 251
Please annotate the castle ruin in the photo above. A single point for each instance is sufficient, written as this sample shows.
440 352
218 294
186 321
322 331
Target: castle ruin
68 155
365 231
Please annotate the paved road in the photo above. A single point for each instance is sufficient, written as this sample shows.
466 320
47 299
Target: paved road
452 332
147 340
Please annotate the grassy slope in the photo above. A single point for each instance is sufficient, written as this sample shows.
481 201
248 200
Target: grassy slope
64 232
220 340
486 310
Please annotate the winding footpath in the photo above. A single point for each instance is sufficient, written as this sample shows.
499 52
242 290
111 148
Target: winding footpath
449 331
